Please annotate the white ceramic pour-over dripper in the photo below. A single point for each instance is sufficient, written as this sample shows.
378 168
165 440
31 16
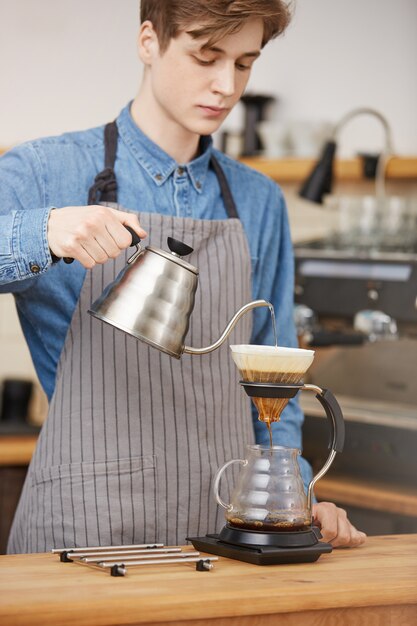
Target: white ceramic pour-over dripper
271 364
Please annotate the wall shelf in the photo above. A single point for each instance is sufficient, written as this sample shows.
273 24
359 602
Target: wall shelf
288 170
294 170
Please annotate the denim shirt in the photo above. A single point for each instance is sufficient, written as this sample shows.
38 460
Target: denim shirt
58 171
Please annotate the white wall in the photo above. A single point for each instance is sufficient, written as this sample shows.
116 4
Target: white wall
69 64
65 64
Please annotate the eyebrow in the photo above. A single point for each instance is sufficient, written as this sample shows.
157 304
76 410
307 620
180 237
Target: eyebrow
255 54
252 54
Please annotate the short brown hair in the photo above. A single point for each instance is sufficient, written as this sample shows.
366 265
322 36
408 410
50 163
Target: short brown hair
217 18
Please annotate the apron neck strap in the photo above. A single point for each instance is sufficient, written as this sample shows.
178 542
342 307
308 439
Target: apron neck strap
104 188
228 200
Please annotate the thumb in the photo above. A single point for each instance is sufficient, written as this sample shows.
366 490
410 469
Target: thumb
131 220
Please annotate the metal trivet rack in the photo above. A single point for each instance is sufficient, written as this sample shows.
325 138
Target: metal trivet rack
117 559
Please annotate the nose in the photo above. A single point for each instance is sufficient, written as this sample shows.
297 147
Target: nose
224 80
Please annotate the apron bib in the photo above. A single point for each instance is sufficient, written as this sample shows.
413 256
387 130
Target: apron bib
133 437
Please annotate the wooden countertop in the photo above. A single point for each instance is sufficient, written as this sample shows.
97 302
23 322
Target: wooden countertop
372 584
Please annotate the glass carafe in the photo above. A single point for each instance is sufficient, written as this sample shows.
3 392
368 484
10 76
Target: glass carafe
269 493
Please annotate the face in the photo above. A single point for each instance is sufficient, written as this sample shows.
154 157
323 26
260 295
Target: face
193 87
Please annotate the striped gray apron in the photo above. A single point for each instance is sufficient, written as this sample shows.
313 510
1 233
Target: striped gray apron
133 437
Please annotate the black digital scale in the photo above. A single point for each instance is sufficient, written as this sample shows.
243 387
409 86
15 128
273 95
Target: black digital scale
264 548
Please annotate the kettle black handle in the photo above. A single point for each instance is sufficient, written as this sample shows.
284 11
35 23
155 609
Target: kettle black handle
135 242
135 236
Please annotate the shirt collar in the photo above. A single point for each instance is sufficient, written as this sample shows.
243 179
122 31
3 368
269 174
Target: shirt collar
155 161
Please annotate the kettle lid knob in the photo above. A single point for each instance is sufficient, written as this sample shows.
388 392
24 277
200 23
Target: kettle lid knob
178 247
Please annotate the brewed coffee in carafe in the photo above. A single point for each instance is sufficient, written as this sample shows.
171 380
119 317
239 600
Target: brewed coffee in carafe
271 364
269 494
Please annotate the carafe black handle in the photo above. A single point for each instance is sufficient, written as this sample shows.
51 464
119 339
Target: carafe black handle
135 242
337 423
335 416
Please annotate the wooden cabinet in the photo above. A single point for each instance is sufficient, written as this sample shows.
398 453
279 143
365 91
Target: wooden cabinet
15 454
11 483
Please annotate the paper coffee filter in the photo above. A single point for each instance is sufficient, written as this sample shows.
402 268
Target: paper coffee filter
271 363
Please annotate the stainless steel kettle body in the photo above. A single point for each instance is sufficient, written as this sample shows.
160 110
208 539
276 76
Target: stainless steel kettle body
153 297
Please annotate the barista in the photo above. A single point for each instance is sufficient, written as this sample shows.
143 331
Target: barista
133 437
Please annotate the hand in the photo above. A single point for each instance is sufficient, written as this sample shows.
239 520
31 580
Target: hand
91 234
335 526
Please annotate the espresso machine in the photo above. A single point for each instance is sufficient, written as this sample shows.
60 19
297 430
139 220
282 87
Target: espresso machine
357 307
268 520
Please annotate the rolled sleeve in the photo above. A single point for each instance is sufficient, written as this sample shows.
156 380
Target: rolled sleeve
24 251
30 242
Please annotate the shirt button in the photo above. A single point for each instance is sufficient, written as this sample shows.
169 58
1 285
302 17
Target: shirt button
180 171
158 177
198 185
35 269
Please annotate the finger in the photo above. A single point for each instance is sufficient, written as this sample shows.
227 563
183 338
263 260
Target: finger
348 536
84 258
121 236
108 243
130 219
325 515
344 531
337 530
95 251
335 527
109 231
357 537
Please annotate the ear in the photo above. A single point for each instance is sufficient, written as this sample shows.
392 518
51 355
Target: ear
148 44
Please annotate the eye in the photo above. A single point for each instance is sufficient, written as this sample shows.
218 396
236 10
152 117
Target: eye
243 68
204 61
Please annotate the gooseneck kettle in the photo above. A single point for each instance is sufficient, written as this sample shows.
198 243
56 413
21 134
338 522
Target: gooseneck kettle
153 297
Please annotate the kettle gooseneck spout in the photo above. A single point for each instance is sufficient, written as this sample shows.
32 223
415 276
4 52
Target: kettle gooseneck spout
230 326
